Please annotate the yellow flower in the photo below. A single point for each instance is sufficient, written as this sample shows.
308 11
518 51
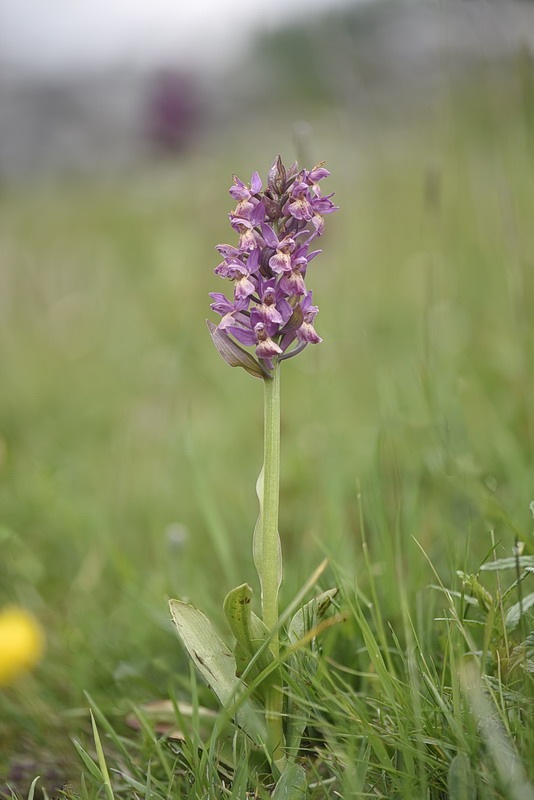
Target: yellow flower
21 643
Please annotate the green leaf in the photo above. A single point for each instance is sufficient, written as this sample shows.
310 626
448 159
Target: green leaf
308 617
291 785
460 780
302 662
466 598
217 666
484 598
235 355
515 612
249 630
31 792
88 761
523 562
101 759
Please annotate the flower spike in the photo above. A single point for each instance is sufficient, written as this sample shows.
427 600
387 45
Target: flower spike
271 309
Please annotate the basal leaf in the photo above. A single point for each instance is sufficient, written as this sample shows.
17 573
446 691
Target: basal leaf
248 629
291 785
307 617
216 664
515 612
460 780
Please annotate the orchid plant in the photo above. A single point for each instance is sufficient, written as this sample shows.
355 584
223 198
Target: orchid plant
272 311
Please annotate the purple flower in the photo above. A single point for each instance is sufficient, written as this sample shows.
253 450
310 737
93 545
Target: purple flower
315 175
306 202
249 239
306 332
230 312
300 206
271 310
321 206
240 191
237 270
266 347
292 281
228 251
245 195
281 260
259 336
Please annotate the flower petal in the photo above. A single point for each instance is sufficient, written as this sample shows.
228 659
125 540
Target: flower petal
255 183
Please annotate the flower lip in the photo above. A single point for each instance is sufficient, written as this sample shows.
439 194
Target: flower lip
300 208
293 283
269 316
307 332
266 347
244 287
281 260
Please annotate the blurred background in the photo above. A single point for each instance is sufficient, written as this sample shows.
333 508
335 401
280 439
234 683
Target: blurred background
128 450
86 89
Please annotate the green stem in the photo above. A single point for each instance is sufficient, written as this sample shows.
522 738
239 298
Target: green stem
270 549
271 488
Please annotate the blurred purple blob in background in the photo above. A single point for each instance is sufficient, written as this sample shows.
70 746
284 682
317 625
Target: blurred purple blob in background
173 110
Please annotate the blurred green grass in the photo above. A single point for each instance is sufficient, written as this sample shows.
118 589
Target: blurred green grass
129 451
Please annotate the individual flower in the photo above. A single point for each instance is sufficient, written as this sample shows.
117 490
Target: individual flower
281 260
305 201
265 347
240 191
273 308
260 335
240 270
248 236
306 332
246 226
229 311
320 207
300 205
21 643
314 176
292 281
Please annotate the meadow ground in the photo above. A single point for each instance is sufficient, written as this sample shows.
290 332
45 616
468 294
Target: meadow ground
129 453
